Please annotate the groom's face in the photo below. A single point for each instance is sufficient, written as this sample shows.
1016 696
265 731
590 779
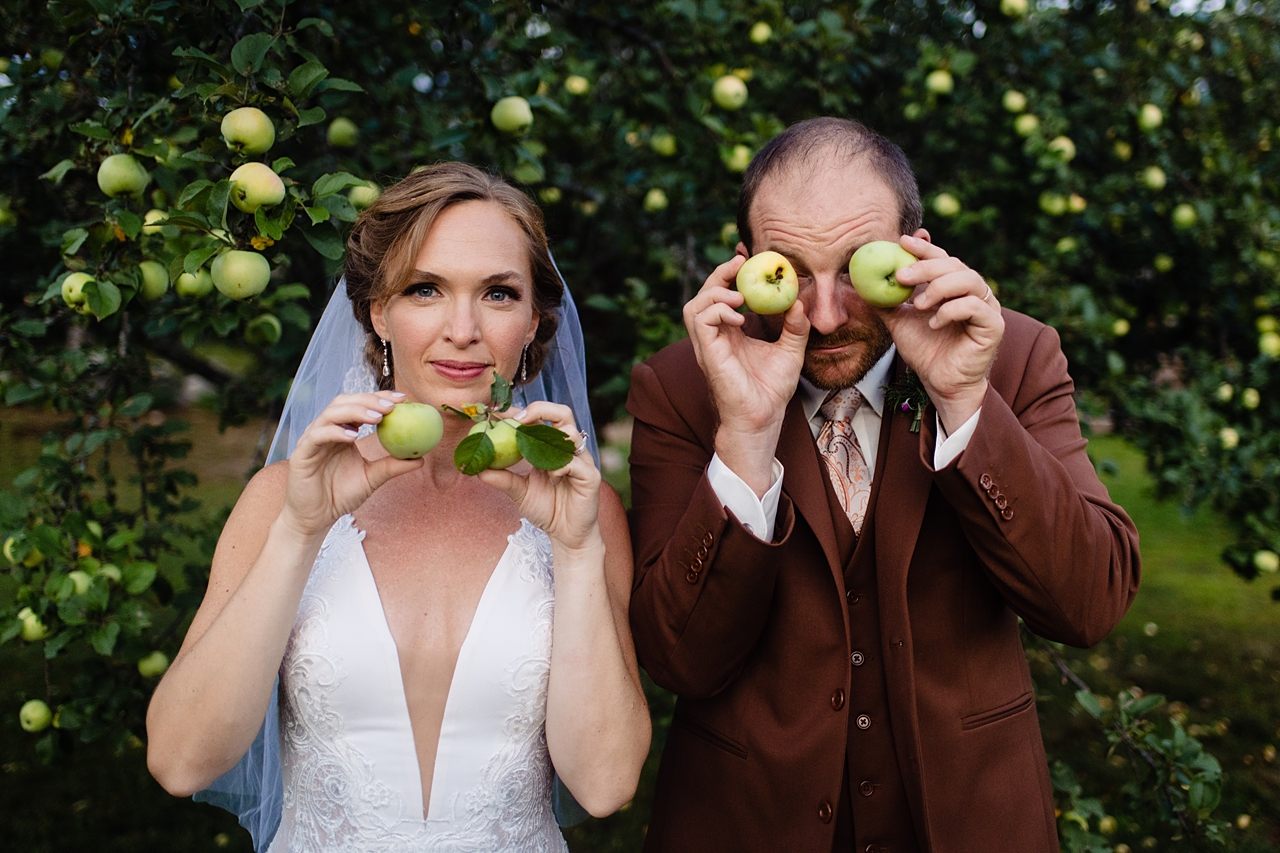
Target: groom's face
817 216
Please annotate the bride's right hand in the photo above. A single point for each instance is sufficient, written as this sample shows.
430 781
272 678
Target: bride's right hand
328 476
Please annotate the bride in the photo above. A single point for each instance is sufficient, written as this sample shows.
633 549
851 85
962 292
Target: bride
438 645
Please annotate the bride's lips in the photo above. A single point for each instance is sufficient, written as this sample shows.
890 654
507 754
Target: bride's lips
460 371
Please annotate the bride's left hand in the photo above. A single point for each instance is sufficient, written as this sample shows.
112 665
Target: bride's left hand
565 502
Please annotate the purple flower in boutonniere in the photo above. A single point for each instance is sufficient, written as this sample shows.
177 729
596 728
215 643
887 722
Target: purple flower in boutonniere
908 396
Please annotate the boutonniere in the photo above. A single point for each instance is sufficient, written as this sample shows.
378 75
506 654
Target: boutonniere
907 395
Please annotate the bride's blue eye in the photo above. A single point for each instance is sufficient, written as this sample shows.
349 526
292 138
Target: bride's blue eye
504 294
421 289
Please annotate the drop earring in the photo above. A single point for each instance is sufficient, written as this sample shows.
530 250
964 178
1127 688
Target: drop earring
386 367
524 364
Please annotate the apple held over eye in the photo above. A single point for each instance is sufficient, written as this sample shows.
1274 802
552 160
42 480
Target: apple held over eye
247 130
122 175
35 716
410 430
768 283
241 275
255 185
503 435
872 270
155 280
512 115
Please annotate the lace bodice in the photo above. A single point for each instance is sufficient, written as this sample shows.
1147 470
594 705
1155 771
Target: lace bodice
351 776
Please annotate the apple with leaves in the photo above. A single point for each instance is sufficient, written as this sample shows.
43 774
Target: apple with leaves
506 451
255 185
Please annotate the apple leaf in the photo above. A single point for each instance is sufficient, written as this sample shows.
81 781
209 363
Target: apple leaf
138 577
319 23
500 393
337 84
90 129
544 446
247 55
130 223
206 60
196 259
305 77
314 115
192 190
317 214
1090 703
218 198
474 454
103 297
58 172
325 241
335 182
103 639
73 239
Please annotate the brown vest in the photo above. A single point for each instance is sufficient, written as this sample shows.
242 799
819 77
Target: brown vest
873 814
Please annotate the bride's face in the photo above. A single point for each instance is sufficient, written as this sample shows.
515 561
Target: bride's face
467 310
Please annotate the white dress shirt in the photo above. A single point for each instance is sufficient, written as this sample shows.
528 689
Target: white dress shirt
759 514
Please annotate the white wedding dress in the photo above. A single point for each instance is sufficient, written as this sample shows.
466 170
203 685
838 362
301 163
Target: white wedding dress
351 776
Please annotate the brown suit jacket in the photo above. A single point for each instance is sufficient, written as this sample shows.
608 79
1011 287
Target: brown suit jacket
754 636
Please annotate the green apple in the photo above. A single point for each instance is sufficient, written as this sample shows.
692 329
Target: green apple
512 115
1066 245
239 274
410 429
255 185
1225 392
1154 178
912 111
940 82
51 58
1162 262
263 329
739 159
729 92
663 143
122 175
33 558
575 84
111 572
247 130
768 283
35 716
363 195
1076 203
1054 204
1063 147
1184 216
503 435
655 200
1120 327
153 664
33 630
945 204
73 291
191 286
729 233
1267 323
760 33
343 133
1250 398
1123 150
1026 124
155 280
153 216
1150 117
550 195
80 580
1266 561
1229 437
872 271
1013 8
1269 344
1014 101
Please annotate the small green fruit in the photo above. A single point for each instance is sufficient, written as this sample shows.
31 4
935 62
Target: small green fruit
1013 8
663 143
1229 438
255 185
241 275
1154 178
155 280
410 430
1250 398
153 216
35 716
1162 262
363 195
873 271
122 175
577 85
1076 203
343 133
940 82
191 286
503 435
263 329
73 291
1266 561
1014 101
768 283
153 665
111 572
1269 344
729 92
1063 147
760 33
80 581
1054 204
655 200
1184 216
1123 150
947 205
1120 327
247 130
1150 117
1026 124
512 115
739 159
33 630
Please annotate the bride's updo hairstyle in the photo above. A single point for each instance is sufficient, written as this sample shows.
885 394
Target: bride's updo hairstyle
385 240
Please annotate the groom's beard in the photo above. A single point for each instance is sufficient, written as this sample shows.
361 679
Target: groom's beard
831 372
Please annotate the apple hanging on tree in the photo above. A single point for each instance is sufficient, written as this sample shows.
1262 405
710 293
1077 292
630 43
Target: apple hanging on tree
872 270
122 175
256 185
247 130
240 275
512 115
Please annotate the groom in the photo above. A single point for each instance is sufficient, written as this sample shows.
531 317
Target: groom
833 595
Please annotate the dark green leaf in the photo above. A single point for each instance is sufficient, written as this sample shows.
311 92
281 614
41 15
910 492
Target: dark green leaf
103 639
319 23
333 183
103 298
218 198
206 60
500 393
138 577
448 138
325 241
130 223
73 239
246 5
473 454
58 172
193 189
304 78
91 130
317 214
337 84
247 55
311 116
16 395
138 404
544 446
56 643
195 259
29 328
281 164
1089 702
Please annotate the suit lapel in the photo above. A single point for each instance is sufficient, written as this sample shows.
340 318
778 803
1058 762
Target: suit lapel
903 496
803 480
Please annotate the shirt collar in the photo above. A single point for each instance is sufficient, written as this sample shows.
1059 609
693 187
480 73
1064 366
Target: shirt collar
871 386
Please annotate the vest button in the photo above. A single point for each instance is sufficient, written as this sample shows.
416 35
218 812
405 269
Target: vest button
871 848
866 789
857 659
851 596
863 722
824 812
837 699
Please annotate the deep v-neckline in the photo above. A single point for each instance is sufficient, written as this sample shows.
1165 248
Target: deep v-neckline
483 605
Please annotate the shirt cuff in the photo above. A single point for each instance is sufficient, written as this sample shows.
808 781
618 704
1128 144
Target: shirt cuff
757 515
945 451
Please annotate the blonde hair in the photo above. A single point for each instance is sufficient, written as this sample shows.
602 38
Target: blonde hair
386 238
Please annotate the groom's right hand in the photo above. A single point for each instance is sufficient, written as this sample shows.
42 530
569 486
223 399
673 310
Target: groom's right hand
751 380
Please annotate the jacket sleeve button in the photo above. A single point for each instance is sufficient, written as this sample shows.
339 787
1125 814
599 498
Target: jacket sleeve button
692 577
985 481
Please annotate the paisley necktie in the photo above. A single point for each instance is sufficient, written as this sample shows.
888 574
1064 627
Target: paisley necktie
843 455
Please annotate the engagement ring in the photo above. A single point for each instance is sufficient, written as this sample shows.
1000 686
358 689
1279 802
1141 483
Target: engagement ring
581 443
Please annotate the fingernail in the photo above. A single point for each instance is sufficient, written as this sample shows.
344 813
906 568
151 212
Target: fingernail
398 394
353 433
385 403
375 415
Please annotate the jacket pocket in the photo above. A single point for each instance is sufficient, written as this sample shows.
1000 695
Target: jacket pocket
1001 712
711 736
